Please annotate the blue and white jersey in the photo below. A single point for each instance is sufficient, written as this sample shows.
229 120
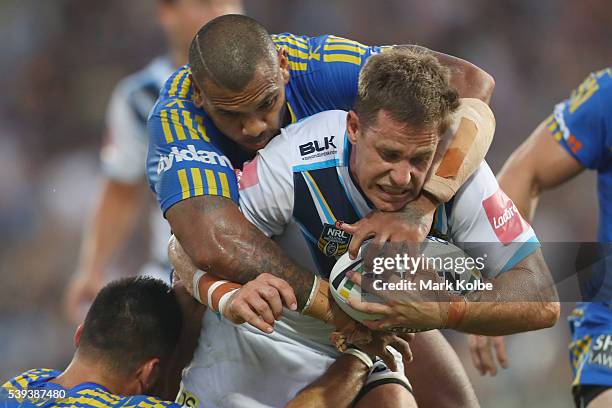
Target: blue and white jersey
124 152
301 181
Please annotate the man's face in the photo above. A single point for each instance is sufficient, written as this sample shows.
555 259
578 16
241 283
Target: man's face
181 19
390 160
253 116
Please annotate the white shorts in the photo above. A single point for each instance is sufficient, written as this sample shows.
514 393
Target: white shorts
239 366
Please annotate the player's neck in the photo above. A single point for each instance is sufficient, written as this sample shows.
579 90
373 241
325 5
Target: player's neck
81 371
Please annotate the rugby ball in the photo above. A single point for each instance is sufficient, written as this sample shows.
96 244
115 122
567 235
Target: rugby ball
448 260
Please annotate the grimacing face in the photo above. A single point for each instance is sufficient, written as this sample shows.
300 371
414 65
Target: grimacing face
253 116
390 160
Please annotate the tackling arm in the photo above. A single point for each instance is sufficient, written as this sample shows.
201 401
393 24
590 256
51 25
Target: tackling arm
539 164
469 80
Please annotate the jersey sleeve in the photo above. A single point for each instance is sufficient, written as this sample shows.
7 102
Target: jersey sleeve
182 162
579 122
125 146
266 187
340 62
485 223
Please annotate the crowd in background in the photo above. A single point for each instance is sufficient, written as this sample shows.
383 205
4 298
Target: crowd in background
61 59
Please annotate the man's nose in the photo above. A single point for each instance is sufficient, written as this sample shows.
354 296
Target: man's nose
401 175
254 127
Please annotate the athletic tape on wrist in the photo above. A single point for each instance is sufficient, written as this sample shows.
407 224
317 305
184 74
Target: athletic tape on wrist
196 284
456 311
211 290
313 293
224 299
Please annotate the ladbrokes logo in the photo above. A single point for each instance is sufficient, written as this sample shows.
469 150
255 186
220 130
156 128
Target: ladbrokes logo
190 154
504 217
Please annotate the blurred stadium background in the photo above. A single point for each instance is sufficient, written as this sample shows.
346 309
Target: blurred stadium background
62 58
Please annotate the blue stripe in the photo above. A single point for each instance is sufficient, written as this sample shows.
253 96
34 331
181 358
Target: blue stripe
346 149
316 166
312 239
321 200
526 249
349 197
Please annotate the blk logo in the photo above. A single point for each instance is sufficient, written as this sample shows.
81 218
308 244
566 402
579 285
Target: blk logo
312 147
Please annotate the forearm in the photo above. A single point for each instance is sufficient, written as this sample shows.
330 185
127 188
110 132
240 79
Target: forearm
112 223
462 150
217 237
523 298
337 387
517 179
469 80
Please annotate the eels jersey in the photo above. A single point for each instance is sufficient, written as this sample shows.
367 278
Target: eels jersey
582 124
85 395
189 157
301 182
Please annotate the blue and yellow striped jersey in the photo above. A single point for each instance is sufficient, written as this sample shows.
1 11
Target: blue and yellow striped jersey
189 157
33 389
582 124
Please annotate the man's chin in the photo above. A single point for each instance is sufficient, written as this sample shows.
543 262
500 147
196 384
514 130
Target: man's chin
390 205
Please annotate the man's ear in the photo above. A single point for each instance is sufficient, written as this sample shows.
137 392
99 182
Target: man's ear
77 335
148 375
198 98
283 62
353 126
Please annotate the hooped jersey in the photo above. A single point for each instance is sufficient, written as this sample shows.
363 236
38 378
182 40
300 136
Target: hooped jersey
299 185
582 124
85 395
189 157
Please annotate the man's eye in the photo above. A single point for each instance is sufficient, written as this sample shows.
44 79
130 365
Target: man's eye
267 104
389 156
420 161
228 113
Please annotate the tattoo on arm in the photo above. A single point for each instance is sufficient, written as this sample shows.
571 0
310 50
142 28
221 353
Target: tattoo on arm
236 249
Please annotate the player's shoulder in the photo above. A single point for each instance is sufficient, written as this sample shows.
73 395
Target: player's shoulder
310 142
24 380
588 98
478 186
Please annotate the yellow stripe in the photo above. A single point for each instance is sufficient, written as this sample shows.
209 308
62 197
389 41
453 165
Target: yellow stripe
293 120
189 124
185 87
298 42
342 58
102 395
298 66
296 53
166 126
21 380
196 176
201 128
211 182
339 40
182 175
178 128
350 48
175 82
558 136
225 190
318 192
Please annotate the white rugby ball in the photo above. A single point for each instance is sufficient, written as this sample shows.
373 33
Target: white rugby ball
433 248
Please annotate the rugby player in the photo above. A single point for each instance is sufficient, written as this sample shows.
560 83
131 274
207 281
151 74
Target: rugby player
240 88
123 191
577 135
403 107
122 350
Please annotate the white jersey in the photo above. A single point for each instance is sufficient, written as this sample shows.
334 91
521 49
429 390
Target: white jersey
301 181
294 187
124 153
